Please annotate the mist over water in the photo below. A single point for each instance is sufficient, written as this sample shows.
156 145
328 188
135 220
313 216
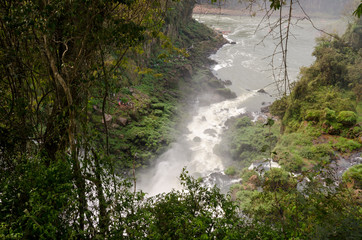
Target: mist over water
244 64
194 150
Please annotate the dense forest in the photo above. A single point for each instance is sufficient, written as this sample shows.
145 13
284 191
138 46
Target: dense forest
93 90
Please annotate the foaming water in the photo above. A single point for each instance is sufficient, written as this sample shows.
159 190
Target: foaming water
194 150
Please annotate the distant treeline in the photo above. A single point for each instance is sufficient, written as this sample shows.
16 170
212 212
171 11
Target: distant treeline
332 7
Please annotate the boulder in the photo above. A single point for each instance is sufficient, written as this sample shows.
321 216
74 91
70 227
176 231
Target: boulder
197 139
347 118
226 93
108 118
211 132
261 91
215 83
187 70
265 109
228 82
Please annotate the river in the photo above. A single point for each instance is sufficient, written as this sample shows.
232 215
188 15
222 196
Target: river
246 65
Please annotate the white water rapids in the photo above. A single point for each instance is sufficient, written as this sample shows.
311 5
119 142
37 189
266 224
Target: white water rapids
245 65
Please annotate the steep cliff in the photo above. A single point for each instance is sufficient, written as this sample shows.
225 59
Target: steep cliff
156 87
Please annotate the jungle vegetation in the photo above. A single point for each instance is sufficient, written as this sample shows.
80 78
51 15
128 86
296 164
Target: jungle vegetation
66 65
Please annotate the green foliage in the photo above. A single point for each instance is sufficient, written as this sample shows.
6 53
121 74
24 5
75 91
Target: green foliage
247 141
323 87
299 150
197 213
324 102
243 122
35 195
346 145
279 107
312 115
329 115
230 171
302 210
246 174
354 174
347 118
358 11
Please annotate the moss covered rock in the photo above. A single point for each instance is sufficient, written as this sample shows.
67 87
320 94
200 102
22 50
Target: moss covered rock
329 115
313 115
347 118
354 175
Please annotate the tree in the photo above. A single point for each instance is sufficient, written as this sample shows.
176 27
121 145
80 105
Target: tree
53 54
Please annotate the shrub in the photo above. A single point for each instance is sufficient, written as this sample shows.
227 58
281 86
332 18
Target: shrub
347 118
243 122
312 115
345 145
354 174
158 113
246 174
279 107
277 179
329 115
230 171
294 164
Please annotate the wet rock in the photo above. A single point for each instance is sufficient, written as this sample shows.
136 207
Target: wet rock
187 70
122 121
343 163
203 118
211 132
262 91
226 93
197 139
215 83
228 82
232 42
265 109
